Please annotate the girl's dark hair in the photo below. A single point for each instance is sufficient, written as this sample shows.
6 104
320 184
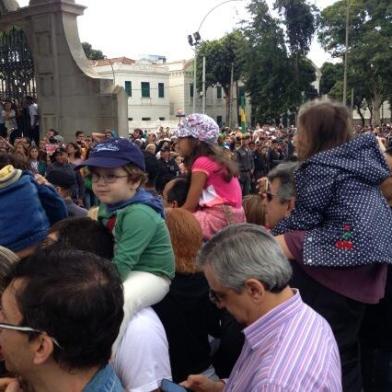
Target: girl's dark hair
216 153
325 124
78 152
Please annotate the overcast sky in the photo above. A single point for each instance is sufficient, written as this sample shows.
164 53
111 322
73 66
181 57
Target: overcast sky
133 28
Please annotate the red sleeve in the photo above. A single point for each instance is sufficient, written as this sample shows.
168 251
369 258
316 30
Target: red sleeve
295 243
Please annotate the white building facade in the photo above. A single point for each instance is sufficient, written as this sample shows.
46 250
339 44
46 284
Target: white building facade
158 92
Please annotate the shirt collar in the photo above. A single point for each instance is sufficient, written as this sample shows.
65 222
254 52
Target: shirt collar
272 320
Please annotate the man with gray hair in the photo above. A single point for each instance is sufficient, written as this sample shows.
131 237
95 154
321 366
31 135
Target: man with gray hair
288 346
340 295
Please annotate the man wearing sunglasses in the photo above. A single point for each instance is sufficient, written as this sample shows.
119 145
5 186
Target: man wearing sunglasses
288 346
60 314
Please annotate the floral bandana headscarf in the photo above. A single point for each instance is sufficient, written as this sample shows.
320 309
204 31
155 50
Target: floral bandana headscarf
199 126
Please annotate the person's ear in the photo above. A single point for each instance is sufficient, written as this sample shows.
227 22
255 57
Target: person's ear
290 205
255 290
135 185
43 347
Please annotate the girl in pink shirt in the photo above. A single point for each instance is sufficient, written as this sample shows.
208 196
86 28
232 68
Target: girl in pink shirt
214 195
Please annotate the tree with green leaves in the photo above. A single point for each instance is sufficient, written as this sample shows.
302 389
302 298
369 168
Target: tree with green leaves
276 81
92 54
370 49
265 63
300 21
330 74
221 55
331 84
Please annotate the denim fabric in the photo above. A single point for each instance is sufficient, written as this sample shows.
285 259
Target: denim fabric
104 381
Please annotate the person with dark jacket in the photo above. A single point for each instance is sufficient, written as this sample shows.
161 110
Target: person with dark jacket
339 204
60 162
64 181
244 156
187 314
168 168
26 210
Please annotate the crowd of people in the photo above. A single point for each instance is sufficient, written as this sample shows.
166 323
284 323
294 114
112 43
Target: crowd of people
218 259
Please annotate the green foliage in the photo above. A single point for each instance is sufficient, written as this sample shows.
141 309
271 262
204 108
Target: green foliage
92 54
275 80
220 55
330 75
370 46
299 18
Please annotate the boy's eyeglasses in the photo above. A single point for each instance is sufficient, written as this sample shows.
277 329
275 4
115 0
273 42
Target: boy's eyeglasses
108 179
24 329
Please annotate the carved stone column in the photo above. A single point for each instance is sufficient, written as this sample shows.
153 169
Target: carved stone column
71 96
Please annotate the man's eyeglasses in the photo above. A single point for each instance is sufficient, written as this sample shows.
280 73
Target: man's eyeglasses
269 195
108 179
215 298
23 329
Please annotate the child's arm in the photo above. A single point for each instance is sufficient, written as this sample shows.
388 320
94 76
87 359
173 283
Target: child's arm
198 181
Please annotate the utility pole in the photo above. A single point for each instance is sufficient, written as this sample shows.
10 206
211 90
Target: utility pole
231 96
204 84
194 40
194 81
346 54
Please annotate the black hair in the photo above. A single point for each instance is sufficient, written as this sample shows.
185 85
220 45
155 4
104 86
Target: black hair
83 234
152 168
75 297
179 191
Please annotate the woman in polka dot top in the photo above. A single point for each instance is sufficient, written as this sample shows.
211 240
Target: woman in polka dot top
339 203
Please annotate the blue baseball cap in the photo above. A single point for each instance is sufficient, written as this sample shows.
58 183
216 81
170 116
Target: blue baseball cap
115 152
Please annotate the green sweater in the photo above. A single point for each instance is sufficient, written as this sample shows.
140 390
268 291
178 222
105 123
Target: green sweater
141 241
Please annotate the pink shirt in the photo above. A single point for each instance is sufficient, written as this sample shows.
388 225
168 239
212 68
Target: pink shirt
217 190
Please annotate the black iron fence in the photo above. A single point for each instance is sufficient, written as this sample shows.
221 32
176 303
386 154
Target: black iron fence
16 66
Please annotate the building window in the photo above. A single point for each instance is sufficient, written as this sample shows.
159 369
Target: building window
146 118
219 120
161 90
219 92
161 118
130 118
191 90
128 88
145 90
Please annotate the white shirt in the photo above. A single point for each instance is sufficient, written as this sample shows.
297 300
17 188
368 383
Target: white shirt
33 111
142 359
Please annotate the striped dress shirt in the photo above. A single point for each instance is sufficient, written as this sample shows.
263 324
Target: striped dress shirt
290 349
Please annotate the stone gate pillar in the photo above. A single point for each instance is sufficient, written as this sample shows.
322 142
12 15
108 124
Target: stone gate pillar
71 96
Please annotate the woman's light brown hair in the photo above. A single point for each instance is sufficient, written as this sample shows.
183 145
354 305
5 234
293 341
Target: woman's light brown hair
254 209
186 237
322 125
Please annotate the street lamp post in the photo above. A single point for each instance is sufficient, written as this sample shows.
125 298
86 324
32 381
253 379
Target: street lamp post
194 40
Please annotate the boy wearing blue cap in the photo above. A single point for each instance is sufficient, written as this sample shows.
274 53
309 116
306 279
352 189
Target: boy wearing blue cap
143 253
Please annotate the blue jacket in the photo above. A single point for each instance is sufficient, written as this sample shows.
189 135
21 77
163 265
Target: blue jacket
26 212
340 206
105 380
